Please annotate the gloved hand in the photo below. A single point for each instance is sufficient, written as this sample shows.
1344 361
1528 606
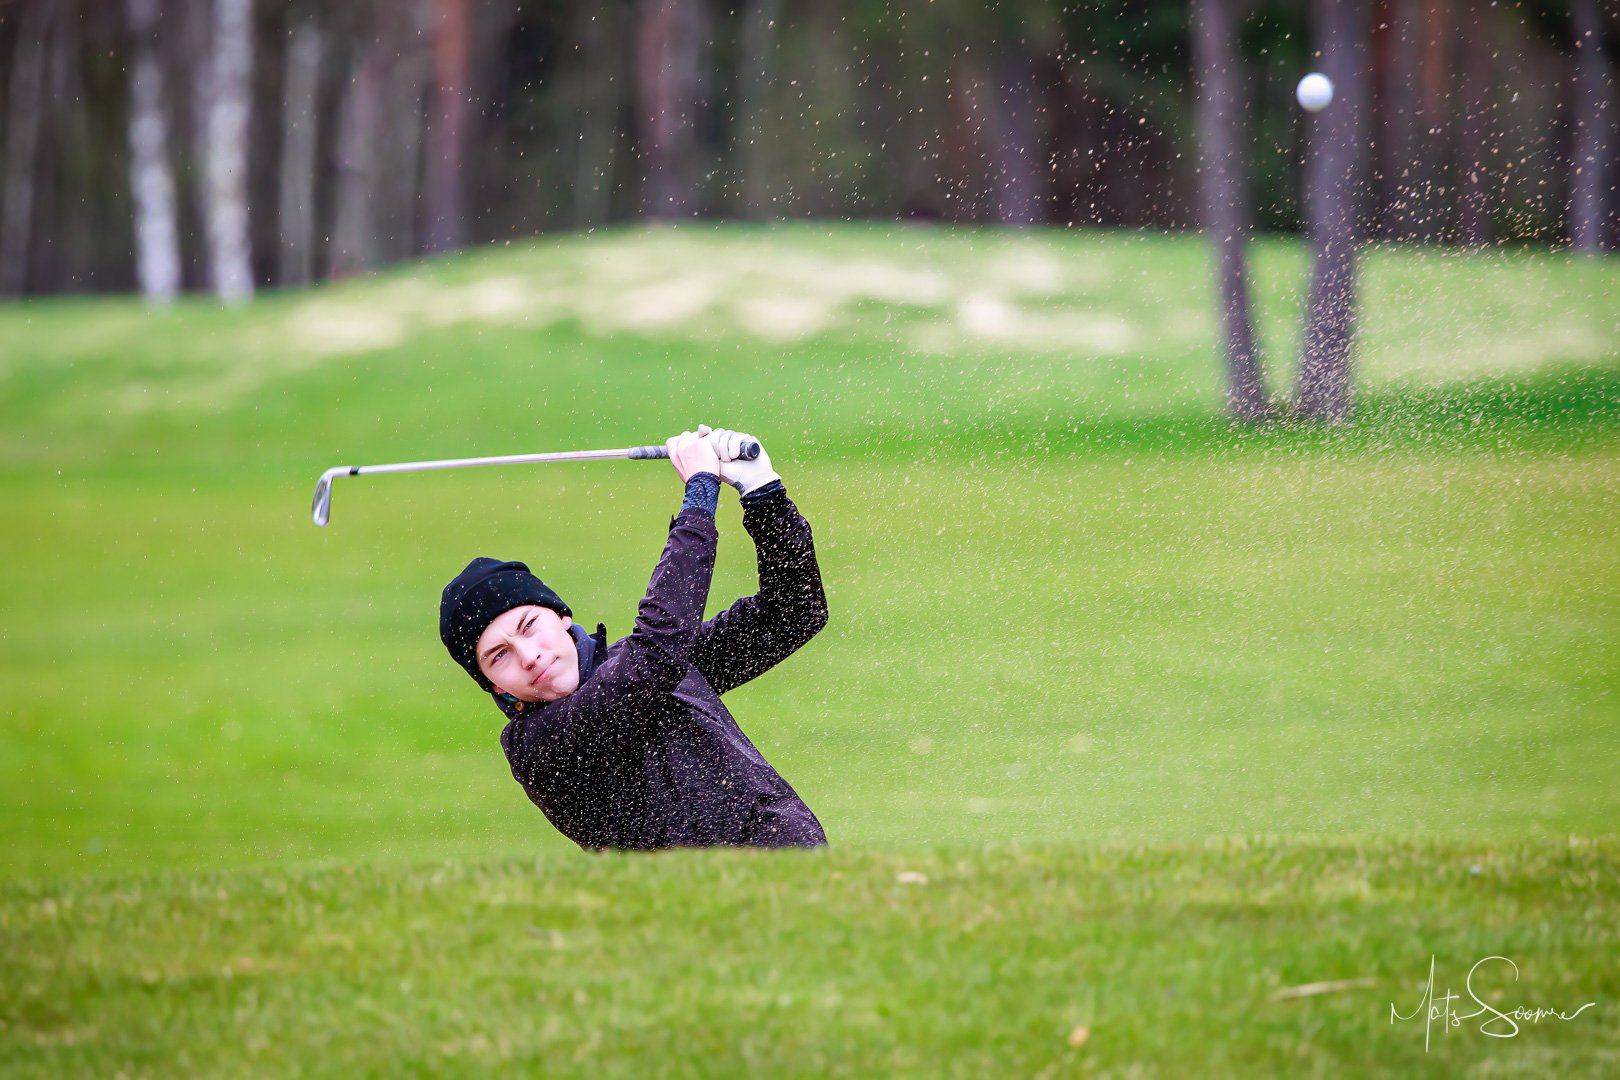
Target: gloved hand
745 476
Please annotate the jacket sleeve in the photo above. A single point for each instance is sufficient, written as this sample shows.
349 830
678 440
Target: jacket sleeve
618 705
758 632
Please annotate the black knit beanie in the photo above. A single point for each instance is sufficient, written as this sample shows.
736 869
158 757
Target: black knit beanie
486 589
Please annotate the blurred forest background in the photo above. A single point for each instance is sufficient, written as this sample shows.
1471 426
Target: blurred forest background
233 144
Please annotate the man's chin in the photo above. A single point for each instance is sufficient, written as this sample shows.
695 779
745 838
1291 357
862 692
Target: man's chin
562 694
532 696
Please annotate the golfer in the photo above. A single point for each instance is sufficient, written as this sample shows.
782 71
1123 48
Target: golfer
629 745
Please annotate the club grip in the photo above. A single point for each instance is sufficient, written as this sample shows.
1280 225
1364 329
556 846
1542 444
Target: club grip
750 452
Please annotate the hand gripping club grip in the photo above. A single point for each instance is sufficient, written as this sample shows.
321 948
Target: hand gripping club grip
750 452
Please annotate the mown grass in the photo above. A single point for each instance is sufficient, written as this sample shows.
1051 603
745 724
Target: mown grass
1163 959
1170 714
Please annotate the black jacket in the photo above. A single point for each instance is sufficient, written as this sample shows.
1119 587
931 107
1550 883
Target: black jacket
644 754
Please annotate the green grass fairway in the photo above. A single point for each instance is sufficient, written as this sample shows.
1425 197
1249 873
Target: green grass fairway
1125 721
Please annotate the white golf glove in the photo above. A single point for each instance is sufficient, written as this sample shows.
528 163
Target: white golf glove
745 476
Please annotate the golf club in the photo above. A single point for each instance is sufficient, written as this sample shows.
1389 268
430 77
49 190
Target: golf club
322 505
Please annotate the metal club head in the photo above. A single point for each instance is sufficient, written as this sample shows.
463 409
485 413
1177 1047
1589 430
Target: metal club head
321 506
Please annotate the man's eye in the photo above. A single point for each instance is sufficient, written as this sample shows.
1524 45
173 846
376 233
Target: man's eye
498 657
530 624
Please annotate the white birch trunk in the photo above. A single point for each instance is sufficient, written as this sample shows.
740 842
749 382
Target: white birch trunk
229 248
157 239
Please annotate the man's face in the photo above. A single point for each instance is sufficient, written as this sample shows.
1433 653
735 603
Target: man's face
527 652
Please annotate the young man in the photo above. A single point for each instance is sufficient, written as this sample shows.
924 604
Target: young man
629 745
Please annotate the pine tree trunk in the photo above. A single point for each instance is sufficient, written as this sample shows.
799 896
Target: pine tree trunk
157 239
1390 115
1474 129
24 105
602 34
355 244
1016 179
1333 171
403 35
300 133
1423 85
230 82
1220 108
756 66
72 230
444 194
668 80
1592 172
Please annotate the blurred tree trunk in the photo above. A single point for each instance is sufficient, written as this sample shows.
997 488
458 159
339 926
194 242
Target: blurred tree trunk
964 168
1390 116
300 135
1592 198
98 217
1218 72
881 109
400 154
353 243
63 229
756 66
601 36
669 57
828 168
157 239
64 216
1017 138
1399 101
1474 128
24 107
1081 140
1333 172
230 82
923 81
187 62
356 243
1420 91
444 194
994 134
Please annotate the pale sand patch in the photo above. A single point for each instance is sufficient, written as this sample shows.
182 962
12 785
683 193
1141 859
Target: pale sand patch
1489 356
659 306
764 271
983 318
327 327
784 318
1027 272
685 287
986 316
1014 294
866 279
628 261
502 299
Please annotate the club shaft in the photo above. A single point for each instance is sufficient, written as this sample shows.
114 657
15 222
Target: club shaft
321 505
634 452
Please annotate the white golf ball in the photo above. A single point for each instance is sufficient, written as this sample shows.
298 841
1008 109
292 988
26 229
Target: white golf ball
1314 92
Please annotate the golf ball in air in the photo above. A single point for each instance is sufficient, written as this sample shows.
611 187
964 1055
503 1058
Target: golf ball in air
1314 91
